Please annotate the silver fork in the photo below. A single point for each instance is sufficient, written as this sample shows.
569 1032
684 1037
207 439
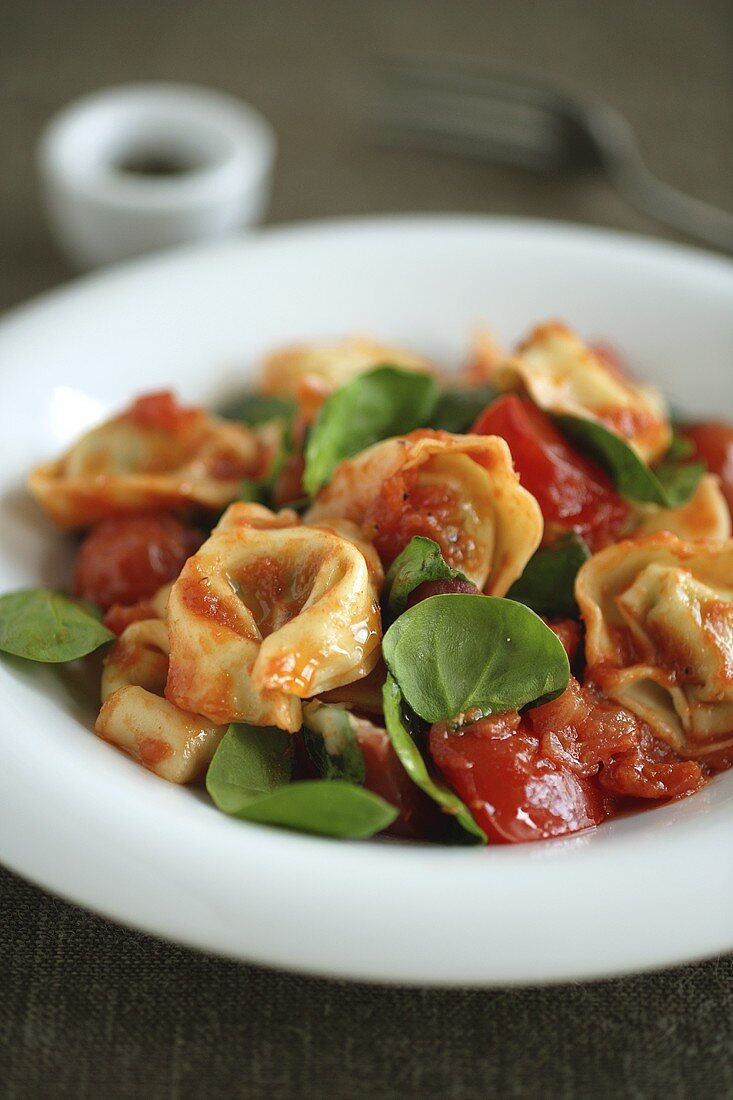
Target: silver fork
479 108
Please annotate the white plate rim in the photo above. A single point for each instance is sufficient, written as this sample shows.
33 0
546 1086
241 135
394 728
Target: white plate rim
425 881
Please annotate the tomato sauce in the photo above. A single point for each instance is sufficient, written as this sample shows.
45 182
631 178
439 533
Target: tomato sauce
558 768
404 508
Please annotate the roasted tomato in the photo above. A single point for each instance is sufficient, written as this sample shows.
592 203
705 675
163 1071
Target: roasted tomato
125 559
514 792
559 767
574 493
713 443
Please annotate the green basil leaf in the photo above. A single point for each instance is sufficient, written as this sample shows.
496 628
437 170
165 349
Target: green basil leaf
679 480
631 476
409 755
326 807
420 561
457 410
249 778
330 740
384 402
45 626
548 581
451 654
679 448
258 408
260 490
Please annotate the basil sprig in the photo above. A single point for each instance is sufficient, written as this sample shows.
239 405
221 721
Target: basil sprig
42 625
397 722
670 486
421 560
450 654
250 778
548 581
330 740
383 402
256 409
457 410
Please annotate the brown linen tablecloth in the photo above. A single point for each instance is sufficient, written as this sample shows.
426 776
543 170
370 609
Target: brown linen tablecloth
88 1009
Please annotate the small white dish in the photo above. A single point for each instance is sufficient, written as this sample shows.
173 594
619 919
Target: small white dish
147 166
648 890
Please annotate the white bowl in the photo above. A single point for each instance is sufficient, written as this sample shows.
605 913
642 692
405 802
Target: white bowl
644 891
102 163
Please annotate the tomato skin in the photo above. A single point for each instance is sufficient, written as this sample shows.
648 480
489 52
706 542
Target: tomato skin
126 559
559 767
713 443
160 411
514 793
574 493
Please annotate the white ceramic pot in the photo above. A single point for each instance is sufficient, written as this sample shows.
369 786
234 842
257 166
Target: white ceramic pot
142 167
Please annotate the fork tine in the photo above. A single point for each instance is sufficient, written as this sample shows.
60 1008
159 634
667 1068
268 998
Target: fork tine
474 118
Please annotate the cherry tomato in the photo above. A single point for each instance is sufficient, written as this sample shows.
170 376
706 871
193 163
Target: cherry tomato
162 412
513 791
713 443
573 492
559 767
125 559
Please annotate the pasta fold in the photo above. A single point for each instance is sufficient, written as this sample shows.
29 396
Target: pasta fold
460 490
705 515
659 635
175 744
268 612
563 375
323 367
155 455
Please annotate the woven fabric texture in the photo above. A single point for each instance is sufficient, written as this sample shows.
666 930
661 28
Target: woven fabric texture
89 1010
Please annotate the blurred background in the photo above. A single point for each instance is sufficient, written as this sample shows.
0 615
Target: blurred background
95 1010
309 67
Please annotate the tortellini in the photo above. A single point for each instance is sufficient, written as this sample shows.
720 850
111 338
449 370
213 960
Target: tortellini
704 516
269 612
563 375
460 490
311 371
659 622
175 744
154 455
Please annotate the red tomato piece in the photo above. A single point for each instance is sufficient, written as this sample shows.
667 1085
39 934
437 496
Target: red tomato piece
386 776
558 768
570 633
162 412
125 559
574 493
514 792
713 443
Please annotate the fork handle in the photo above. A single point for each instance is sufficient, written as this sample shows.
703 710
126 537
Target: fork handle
625 166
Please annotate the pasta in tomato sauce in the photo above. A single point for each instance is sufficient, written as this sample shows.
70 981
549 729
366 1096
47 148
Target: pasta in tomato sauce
497 608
